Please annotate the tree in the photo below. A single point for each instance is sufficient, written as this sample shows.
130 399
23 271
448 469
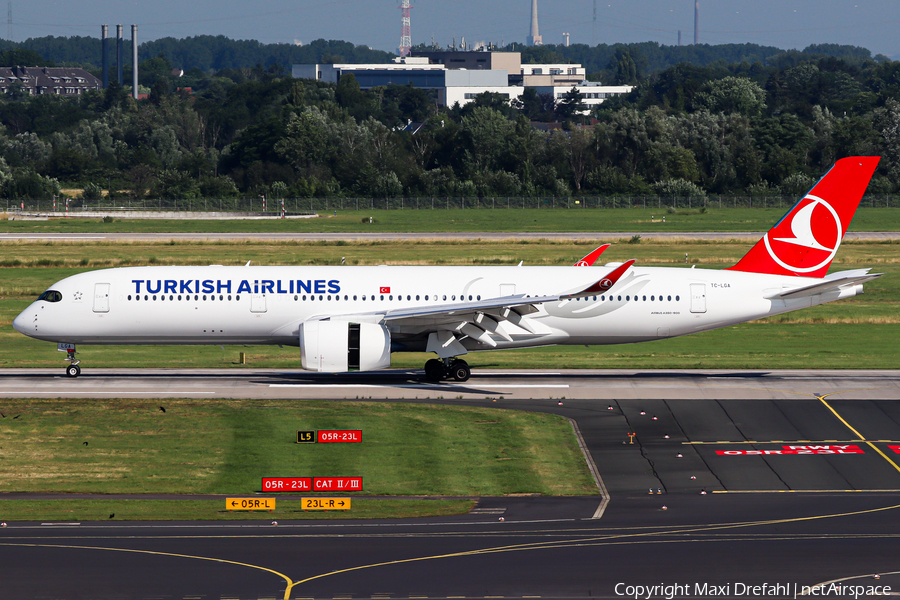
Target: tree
489 134
623 67
535 107
305 142
570 105
732 94
22 57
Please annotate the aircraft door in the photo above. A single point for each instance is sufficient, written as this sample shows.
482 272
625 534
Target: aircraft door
101 297
257 303
698 297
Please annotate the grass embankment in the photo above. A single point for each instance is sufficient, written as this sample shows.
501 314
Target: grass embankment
855 333
226 447
472 220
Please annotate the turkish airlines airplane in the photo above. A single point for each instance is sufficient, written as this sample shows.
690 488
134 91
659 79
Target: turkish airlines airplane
346 318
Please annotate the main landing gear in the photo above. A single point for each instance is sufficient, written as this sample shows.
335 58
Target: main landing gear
449 368
73 370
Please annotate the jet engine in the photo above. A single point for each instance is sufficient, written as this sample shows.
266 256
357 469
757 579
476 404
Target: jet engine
340 346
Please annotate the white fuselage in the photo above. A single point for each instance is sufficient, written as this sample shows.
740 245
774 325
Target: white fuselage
267 305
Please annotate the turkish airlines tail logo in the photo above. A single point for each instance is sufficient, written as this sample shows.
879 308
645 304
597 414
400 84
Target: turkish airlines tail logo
806 239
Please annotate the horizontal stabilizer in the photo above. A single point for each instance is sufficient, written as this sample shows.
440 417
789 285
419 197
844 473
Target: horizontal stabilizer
833 283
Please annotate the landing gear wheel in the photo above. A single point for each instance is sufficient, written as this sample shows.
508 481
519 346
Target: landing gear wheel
73 370
434 370
460 371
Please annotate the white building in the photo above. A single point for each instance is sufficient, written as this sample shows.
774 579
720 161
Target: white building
458 77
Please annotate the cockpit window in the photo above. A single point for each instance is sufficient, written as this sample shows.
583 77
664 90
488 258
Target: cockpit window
50 296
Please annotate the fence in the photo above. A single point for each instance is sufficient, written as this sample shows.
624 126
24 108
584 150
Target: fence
295 206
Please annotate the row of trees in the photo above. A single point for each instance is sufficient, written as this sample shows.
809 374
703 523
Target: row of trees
761 128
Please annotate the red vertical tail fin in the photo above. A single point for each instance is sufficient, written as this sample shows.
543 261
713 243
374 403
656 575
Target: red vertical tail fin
805 240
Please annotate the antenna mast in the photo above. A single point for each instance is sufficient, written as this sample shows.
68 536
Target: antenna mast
405 29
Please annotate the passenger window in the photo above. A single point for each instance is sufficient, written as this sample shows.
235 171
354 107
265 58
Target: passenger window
129 296
677 298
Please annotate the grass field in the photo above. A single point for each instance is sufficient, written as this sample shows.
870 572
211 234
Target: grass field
514 220
226 447
855 333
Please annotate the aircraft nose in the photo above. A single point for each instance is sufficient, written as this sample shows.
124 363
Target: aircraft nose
20 323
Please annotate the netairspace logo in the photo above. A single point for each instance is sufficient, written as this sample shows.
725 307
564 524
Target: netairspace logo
670 591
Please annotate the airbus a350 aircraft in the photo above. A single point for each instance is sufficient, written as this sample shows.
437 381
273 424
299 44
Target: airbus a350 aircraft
352 318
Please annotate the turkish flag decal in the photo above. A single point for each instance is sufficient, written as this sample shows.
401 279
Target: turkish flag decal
384 290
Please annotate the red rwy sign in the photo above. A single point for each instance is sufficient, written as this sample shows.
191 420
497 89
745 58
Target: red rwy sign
287 484
337 484
337 437
794 449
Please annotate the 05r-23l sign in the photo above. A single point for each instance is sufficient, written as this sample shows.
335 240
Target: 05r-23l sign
339 436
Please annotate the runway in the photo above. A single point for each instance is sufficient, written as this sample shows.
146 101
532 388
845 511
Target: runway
396 384
800 470
747 236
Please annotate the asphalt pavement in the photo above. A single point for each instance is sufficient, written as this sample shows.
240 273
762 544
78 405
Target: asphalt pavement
799 469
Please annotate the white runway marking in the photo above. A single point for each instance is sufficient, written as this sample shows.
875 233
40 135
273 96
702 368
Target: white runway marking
47 237
59 392
423 386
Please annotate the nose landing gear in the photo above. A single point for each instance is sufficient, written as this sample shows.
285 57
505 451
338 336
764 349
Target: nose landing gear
73 370
449 368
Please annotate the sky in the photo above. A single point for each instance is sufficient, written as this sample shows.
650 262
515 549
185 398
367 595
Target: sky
376 23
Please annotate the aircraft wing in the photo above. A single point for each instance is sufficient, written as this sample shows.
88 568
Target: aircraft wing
832 283
446 325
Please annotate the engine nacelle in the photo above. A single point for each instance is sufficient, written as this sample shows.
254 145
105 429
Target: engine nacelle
340 346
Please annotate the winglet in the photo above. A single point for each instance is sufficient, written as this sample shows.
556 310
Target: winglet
605 284
590 259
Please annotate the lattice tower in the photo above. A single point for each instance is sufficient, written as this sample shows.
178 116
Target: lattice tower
405 29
